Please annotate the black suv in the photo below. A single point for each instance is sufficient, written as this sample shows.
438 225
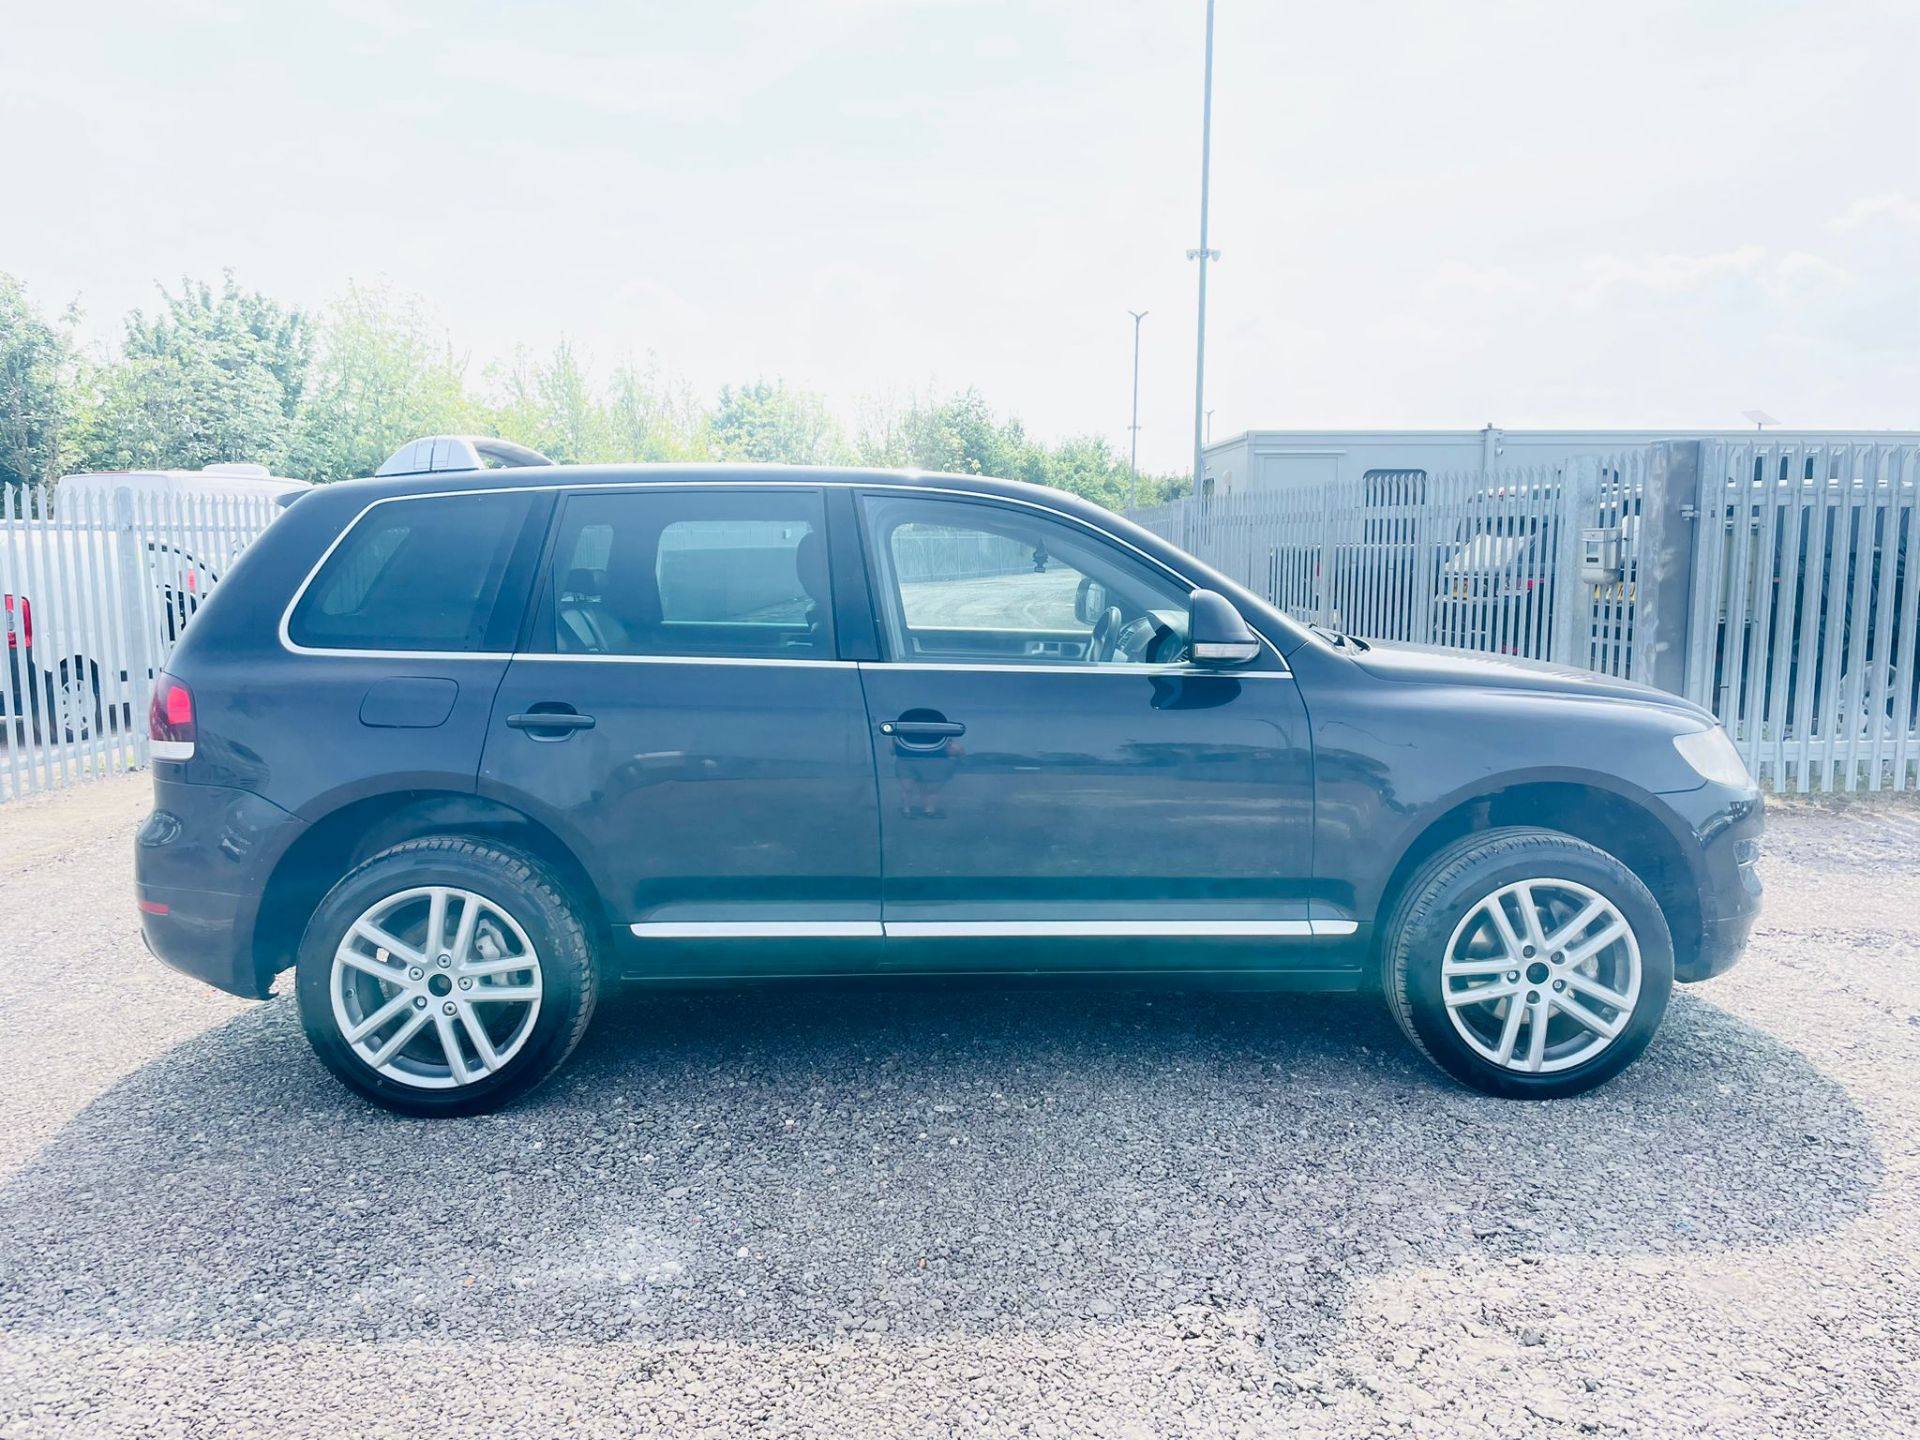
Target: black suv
461 751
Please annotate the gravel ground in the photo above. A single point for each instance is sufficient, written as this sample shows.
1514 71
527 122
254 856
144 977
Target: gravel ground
938 1211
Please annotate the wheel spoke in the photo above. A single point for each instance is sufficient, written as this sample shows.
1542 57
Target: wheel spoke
1493 966
396 1041
450 1046
1573 929
1538 1014
1483 994
1595 943
436 922
1587 985
368 964
1505 926
378 1018
1510 1032
462 946
482 1042
392 944
1604 1028
499 965
497 993
1530 912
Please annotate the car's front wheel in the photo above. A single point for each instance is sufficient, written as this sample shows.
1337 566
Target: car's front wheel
1527 963
445 976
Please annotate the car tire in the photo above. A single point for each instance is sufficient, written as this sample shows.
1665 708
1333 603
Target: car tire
510 1026
1593 1012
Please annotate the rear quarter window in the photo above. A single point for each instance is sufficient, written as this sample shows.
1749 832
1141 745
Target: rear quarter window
423 574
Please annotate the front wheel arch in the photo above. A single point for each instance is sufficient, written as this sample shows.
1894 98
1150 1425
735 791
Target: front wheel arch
1603 818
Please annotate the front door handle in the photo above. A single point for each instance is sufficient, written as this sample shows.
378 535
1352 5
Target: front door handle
922 732
550 722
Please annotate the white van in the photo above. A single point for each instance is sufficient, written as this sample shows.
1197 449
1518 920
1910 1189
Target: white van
221 480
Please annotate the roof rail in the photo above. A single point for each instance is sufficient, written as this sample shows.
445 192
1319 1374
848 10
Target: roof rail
437 454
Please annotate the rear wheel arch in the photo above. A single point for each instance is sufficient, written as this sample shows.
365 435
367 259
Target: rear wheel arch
335 844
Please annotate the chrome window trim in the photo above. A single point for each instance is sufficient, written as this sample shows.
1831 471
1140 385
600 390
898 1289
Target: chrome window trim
550 657
984 929
286 614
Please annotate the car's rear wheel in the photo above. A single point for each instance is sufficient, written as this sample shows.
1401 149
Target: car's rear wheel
1527 963
446 976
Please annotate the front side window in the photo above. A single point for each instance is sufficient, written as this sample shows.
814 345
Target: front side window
692 573
969 581
416 575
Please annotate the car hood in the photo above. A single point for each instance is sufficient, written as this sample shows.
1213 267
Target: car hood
1416 665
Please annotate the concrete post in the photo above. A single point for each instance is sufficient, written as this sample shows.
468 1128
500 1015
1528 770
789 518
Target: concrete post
1663 557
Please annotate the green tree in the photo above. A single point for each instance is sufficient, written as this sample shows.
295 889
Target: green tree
384 376
36 379
650 418
774 424
213 375
550 404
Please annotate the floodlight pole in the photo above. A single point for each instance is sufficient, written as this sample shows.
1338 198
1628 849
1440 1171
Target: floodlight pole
1203 255
1133 453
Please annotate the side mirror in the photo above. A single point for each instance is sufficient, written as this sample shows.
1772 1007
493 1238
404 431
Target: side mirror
1217 634
1089 600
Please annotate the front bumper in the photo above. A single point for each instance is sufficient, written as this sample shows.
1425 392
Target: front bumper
1726 826
201 862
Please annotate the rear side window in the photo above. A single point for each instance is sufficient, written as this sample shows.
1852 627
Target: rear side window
722 573
417 575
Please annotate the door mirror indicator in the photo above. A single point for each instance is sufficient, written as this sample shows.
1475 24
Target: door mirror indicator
1217 634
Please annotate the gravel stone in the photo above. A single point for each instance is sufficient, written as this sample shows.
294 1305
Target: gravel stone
938 1210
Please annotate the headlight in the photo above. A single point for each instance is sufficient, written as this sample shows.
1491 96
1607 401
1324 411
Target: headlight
1712 754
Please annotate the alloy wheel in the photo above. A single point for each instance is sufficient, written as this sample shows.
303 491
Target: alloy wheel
73 708
436 987
1541 975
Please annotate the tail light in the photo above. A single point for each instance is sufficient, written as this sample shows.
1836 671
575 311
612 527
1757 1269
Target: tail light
20 632
170 720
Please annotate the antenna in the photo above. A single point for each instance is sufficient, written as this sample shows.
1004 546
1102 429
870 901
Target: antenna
1761 419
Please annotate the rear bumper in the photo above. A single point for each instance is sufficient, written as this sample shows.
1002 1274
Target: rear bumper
200 864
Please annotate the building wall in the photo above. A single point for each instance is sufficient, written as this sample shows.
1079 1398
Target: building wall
1274 459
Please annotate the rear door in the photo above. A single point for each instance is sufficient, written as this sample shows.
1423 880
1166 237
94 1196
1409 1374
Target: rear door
678 713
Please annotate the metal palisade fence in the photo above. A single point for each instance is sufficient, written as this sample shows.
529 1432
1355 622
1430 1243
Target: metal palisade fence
1775 583
95 589
1805 611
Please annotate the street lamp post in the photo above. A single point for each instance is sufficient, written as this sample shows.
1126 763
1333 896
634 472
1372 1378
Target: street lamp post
1203 255
1133 453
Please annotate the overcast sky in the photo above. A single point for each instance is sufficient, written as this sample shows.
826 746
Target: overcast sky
1568 214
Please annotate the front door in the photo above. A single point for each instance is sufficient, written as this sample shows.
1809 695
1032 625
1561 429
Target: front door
679 717
1049 763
